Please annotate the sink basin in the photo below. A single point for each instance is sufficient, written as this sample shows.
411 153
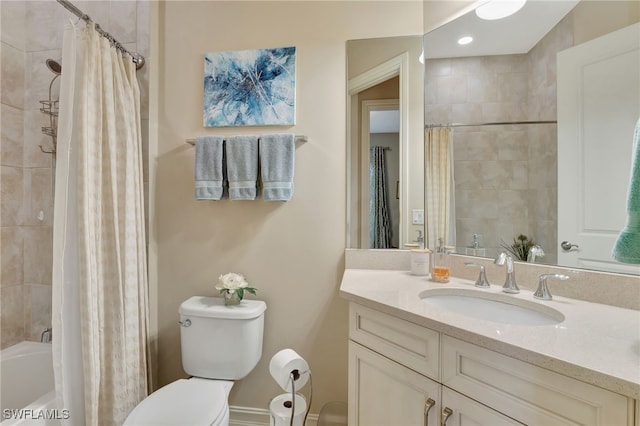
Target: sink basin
495 307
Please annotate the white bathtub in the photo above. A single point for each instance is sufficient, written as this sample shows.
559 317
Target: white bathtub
27 386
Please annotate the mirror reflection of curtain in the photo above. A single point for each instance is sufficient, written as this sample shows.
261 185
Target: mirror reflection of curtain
379 223
439 188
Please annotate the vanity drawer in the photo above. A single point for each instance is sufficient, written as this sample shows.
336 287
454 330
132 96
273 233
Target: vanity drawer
411 345
528 393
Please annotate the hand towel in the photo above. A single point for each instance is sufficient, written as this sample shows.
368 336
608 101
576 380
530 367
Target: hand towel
627 247
209 168
242 167
277 163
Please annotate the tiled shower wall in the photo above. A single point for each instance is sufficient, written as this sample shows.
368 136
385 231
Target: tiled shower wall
31 33
505 176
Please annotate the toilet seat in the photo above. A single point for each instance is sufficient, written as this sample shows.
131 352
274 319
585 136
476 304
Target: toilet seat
184 402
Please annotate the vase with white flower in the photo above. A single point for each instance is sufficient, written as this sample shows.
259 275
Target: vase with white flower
232 287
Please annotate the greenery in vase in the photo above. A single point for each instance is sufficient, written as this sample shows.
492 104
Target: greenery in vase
520 247
234 283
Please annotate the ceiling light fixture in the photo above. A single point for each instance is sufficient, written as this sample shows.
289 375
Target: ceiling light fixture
498 9
465 40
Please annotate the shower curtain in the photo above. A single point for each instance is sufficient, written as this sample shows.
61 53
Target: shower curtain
439 188
379 222
100 308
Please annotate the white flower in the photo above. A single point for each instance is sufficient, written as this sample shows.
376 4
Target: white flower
231 281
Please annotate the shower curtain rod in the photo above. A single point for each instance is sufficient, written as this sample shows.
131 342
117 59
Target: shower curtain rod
136 57
495 123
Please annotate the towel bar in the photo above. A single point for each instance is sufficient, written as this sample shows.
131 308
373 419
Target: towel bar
299 138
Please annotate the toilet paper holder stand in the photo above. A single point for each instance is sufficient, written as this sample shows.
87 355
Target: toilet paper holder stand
293 376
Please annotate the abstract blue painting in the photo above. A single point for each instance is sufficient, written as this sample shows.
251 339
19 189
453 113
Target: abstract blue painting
250 87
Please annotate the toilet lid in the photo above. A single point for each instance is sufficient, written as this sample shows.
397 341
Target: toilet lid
183 402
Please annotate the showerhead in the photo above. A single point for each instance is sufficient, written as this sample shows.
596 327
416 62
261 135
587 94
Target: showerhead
54 66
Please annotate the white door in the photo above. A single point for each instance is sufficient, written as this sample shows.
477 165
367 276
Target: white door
598 107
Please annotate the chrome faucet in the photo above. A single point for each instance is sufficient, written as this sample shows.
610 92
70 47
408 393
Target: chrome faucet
535 251
482 280
510 285
543 291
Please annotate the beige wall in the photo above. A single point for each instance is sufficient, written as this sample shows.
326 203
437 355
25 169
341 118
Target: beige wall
292 252
588 23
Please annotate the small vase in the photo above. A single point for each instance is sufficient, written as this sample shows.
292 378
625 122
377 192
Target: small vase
231 299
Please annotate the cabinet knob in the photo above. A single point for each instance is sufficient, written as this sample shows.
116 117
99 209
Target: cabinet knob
428 405
445 415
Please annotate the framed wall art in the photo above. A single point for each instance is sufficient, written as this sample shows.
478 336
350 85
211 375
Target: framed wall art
250 87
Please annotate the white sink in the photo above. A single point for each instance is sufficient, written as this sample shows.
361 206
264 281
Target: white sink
495 307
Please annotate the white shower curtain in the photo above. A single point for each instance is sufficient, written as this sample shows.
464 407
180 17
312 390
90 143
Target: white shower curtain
100 308
439 188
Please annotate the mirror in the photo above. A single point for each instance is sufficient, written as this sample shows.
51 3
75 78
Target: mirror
385 108
507 180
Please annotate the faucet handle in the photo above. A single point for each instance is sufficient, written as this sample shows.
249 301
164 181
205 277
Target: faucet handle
510 285
543 291
482 280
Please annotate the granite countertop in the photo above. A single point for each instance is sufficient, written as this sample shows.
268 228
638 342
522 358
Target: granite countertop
596 343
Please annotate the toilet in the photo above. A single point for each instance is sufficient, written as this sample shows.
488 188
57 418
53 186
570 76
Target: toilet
219 344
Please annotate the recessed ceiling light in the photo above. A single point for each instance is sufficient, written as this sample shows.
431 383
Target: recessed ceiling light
498 9
465 40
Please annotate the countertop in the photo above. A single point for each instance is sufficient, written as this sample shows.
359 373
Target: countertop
596 343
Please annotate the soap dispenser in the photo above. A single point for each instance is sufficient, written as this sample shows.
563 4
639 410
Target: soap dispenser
441 264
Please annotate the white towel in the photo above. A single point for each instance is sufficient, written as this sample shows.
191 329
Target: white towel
277 163
209 168
242 167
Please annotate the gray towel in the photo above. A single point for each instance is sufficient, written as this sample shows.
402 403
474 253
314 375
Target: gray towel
209 167
242 167
277 162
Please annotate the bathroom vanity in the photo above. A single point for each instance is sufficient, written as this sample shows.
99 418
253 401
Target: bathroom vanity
413 361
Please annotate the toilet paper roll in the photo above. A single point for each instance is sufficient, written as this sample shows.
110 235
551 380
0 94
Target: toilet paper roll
283 363
280 408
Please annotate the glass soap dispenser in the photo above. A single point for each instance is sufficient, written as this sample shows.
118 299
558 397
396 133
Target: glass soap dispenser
441 264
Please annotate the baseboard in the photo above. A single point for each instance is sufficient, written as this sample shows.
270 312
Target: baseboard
249 416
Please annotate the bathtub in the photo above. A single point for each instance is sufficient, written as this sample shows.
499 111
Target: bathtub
27 386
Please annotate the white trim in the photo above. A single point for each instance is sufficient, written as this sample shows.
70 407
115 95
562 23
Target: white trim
397 66
249 416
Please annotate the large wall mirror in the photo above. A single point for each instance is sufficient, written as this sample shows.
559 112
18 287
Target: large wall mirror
385 120
538 112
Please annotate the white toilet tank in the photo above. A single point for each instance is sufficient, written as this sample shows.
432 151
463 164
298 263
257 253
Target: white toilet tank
218 341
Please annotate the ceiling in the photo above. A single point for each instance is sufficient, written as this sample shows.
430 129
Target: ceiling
515 34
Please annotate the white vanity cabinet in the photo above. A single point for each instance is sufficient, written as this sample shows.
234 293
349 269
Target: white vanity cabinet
401 373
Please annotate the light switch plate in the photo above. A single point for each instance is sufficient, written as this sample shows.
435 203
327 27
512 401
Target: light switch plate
418 217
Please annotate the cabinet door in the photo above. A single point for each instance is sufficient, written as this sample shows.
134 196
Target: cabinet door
384 393
458 410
